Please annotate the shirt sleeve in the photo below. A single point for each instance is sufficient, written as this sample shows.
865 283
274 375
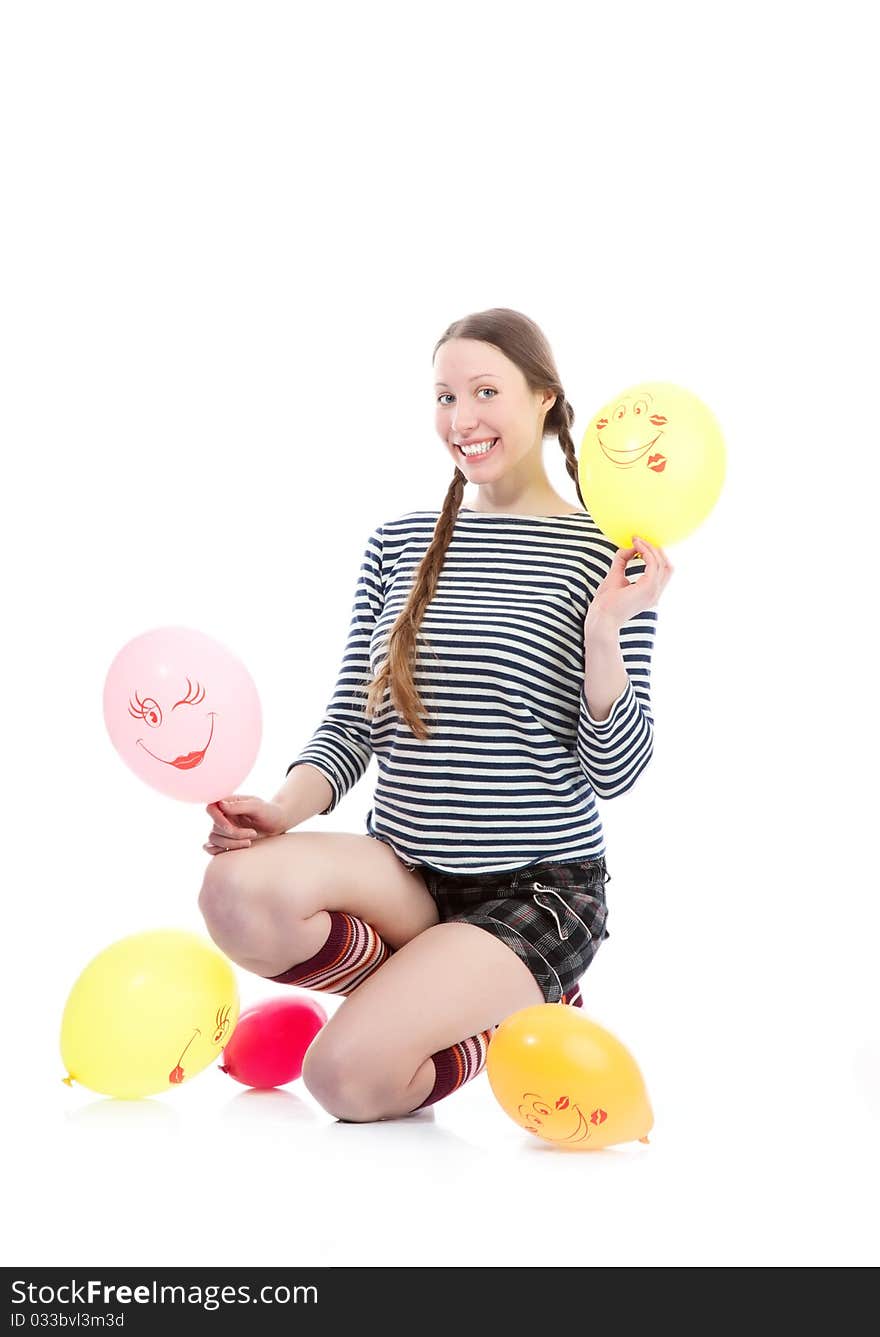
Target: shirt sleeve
613 752
340 748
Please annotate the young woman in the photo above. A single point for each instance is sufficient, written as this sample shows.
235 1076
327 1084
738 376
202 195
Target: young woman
498 667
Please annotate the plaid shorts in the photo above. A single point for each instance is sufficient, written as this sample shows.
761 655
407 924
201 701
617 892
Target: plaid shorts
551 914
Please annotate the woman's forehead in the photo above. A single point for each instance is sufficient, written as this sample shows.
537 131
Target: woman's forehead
470 361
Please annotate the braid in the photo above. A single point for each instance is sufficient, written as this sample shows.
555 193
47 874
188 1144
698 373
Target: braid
566 415
397 672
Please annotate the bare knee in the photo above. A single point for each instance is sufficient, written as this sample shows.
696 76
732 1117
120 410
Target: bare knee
223 903
341 1083
237 917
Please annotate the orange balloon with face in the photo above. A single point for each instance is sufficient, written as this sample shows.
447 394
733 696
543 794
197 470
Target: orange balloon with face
567 1080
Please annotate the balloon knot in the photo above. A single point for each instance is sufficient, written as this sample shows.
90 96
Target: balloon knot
645 1140
68 1081
222 1067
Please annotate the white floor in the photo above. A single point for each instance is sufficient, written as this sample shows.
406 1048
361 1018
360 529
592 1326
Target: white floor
749 1163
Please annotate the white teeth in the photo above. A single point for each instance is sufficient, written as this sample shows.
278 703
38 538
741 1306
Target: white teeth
481 449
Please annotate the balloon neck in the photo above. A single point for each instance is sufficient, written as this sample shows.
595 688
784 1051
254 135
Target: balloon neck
68 1080
222 1067
645 1140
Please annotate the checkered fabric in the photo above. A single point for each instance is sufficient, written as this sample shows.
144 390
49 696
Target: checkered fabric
552 915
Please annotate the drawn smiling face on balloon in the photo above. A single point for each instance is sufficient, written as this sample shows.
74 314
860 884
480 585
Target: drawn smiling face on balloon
150 712
652 463
630 431
183 713
561 1120
199 1044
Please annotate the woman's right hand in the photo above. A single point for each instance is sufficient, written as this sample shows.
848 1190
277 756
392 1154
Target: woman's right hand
240 820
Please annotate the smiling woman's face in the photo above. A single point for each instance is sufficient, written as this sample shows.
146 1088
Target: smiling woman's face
482 396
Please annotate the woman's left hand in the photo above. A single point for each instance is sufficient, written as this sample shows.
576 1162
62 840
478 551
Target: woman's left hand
617 599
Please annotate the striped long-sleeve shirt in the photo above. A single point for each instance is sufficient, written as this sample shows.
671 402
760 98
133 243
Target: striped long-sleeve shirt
514 763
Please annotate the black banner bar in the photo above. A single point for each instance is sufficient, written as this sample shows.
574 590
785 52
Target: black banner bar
124 1300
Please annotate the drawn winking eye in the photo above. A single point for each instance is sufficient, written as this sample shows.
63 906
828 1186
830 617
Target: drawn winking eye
148 710
187 700
222 1020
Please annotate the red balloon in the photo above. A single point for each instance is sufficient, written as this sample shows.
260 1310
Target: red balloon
269 1043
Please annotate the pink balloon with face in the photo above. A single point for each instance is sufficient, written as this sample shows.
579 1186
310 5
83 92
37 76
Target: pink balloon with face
183 713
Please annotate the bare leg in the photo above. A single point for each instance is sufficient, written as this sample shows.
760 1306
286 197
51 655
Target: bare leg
265 906
372 1058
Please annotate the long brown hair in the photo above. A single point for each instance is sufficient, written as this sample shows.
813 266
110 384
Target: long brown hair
522 341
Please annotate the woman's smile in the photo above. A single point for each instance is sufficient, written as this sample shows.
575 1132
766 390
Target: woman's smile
479 450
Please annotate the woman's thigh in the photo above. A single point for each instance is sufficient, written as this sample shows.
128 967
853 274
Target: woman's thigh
277 883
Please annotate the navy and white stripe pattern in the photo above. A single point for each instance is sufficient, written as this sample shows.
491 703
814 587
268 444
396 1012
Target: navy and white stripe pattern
514 762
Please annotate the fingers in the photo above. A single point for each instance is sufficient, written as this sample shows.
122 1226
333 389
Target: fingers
655 558
215 811
654 550
235 803
225 826
213 847
233 832
226 833
231 837
658 553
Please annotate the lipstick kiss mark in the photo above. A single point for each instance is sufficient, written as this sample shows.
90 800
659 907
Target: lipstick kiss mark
562 1103
598 1116
657 463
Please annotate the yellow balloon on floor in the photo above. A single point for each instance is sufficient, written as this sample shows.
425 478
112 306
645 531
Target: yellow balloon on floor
652 463
148 1013
567 1080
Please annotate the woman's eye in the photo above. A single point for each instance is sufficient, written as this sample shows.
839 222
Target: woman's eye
445 395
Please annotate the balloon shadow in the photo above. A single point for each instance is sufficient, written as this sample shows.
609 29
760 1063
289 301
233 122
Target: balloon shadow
540 1146
124 1115
267 1107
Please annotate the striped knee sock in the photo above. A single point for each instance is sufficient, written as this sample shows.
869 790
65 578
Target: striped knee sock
352 952
460 1062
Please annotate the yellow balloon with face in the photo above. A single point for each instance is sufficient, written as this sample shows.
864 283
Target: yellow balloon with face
651 463
148 1013
567 1080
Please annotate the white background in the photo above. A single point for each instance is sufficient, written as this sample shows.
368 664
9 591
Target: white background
231 237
